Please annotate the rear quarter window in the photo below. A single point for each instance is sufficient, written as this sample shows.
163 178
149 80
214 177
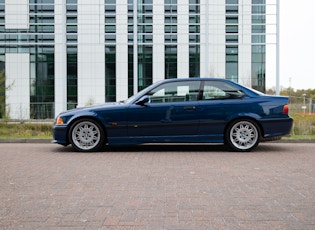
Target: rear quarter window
216 90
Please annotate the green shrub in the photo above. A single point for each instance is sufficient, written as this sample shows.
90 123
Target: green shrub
25 130
304 124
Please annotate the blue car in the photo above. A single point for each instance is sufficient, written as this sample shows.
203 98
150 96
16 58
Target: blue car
194 110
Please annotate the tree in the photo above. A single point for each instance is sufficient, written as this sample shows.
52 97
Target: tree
2 93
3 88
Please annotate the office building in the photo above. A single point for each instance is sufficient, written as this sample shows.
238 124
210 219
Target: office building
59 54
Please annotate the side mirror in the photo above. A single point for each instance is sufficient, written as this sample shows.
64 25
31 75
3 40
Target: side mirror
143 100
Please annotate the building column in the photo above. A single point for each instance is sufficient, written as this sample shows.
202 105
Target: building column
183 39
91 52
17 65
17 69
158 48
212 44
121 50
245 41
60 56
17 14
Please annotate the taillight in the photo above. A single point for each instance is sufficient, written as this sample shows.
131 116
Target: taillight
285 109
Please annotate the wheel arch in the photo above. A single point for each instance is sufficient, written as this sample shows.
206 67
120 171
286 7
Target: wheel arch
90 118
242 140
245 117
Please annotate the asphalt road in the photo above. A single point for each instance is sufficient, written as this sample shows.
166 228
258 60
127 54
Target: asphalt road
46 186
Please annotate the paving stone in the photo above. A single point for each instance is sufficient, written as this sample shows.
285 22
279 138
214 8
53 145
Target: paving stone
46 186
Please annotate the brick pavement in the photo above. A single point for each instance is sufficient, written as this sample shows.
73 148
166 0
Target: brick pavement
45 186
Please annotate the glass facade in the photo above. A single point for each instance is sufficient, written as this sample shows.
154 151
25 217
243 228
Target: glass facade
258 45
145 66
72 53
110 73
142 23
130 71
194 38
231 38
2 60
38 41
110 50
130 25
170 61
170 38
144 43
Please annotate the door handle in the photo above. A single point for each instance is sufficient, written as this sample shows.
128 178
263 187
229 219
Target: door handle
190 108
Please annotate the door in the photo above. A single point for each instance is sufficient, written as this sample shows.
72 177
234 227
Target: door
169 116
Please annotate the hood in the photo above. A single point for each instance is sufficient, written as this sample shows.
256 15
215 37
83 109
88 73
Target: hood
88 109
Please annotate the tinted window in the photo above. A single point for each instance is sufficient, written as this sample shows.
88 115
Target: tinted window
216 90
175 92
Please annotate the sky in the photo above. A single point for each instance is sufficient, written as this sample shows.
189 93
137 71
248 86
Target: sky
297 44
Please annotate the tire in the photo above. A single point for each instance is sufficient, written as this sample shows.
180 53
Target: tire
86 135
242 135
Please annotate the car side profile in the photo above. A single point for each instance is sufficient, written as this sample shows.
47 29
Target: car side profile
192 110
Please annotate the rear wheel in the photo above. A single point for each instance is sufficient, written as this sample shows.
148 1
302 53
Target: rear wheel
242 135
86 135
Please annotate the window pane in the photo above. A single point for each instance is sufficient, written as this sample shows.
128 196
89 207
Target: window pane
175 92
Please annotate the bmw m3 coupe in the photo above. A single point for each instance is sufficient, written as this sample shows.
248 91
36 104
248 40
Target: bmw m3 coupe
194 110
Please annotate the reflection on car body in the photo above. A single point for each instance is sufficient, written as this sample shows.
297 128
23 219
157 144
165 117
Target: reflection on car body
194 110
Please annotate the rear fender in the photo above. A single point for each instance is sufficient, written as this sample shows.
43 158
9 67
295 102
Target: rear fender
252 116
246 116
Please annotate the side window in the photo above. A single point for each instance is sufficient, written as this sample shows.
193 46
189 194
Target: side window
175 92
216 90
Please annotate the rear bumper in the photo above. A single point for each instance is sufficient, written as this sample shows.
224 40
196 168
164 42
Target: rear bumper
275 128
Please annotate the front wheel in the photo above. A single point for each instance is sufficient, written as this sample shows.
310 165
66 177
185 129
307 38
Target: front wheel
86 135
242 135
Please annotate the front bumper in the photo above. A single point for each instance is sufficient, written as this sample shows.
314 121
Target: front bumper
60 134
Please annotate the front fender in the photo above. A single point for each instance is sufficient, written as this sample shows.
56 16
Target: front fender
71 118
86 114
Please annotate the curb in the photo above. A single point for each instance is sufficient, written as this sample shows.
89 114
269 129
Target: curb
288 140
45 141
25 140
